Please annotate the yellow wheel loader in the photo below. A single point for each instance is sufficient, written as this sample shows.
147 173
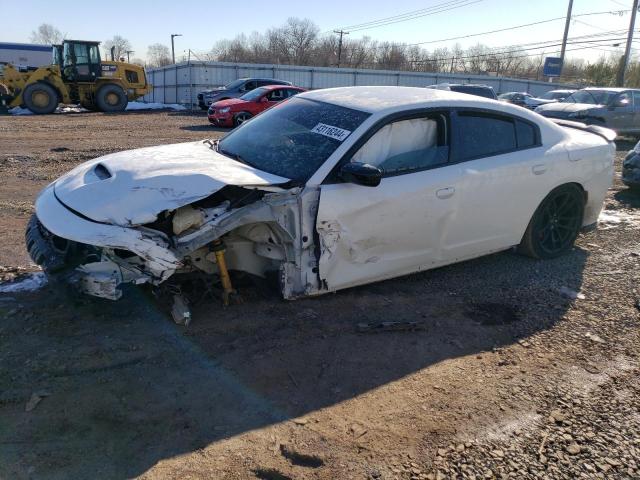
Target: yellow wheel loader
76 75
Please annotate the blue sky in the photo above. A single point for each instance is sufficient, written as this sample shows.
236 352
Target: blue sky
202 23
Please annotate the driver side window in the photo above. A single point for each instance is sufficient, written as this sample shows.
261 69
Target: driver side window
406 145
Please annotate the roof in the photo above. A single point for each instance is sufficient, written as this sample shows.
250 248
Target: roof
610 89
92 42
378 99
274 87
25 46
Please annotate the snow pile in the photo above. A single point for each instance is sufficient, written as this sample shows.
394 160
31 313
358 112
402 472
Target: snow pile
28 283
20 111
130 106
60 109
154 106
612 218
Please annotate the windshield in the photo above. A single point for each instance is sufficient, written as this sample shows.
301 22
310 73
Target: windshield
593 97
292 139
554 95
485 92
234 84
253 95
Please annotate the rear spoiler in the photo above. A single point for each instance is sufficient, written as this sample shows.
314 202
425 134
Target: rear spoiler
606 133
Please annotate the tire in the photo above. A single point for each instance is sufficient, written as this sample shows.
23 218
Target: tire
40 98
111 98
240 118
555 225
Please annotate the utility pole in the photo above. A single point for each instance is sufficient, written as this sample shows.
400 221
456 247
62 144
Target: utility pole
173 50
566 34
128 52
341 33
627 51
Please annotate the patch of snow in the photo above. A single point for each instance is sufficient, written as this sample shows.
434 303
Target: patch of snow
612 218
29 283
568 293
20 111
154 106
60 109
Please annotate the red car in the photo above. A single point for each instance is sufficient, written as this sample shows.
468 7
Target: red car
234 111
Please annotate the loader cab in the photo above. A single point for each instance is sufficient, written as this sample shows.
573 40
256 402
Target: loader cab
80 61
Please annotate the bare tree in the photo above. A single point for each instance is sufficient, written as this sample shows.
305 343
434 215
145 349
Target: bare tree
158 55
47 34
120 44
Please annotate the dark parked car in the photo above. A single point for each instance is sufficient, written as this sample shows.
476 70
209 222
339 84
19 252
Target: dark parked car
631 168
614 108
235 89
523 99
557 95
471 89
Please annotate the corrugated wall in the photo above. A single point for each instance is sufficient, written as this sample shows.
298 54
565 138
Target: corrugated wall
181 83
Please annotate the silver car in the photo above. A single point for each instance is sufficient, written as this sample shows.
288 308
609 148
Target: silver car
614 108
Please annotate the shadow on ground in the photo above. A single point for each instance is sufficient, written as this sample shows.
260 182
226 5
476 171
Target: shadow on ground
124 388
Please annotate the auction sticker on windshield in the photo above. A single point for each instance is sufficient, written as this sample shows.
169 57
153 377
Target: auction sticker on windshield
330 131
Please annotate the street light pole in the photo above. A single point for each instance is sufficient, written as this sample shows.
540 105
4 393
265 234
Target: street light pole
173 51
128 52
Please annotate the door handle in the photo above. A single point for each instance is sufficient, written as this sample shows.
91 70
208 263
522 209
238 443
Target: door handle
444 193
539 169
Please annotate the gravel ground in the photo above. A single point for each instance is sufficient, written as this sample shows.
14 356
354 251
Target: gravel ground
516 369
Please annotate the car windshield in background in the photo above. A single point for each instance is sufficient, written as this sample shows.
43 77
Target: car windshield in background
292 139
253 94
594 97
553 95
234 84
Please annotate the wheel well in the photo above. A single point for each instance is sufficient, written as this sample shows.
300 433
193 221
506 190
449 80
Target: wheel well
55 89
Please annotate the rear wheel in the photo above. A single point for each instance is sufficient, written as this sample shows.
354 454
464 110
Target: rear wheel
40 98
555 224
240 118
111 98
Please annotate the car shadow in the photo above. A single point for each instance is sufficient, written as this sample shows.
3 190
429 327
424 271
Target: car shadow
624 144
207 127
126 388
628 197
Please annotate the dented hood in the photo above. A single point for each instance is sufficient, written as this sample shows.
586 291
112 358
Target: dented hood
132 187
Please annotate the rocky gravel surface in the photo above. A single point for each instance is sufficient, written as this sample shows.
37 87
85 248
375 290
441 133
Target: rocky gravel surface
512 368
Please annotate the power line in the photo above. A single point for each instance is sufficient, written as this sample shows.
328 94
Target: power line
442 7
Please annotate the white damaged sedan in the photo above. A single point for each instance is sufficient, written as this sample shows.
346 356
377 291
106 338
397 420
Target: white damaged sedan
330 189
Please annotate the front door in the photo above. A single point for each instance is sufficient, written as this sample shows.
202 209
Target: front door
372 233
621 113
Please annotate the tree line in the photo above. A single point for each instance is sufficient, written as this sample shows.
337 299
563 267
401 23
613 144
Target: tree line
300 42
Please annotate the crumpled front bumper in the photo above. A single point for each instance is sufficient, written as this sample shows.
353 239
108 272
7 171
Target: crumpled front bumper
55 227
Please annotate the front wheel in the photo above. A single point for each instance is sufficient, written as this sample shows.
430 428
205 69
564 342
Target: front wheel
111 98
40 98
555 225
240 118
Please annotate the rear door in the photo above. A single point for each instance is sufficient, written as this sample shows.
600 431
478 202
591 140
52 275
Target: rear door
371 233
505 173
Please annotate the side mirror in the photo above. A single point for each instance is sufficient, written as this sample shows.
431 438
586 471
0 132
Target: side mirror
264 99
361 174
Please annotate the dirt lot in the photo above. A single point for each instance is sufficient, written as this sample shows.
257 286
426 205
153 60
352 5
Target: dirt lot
506 377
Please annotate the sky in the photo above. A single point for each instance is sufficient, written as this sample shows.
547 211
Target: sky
202 23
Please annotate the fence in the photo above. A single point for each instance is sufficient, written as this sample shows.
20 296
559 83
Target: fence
180 83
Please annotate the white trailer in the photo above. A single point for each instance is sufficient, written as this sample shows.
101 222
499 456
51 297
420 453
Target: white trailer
25 55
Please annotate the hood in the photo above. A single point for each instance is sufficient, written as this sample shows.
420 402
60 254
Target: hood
228 103
132 187
568 107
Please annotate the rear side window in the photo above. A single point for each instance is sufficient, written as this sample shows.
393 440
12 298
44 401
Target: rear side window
482 135
525 134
